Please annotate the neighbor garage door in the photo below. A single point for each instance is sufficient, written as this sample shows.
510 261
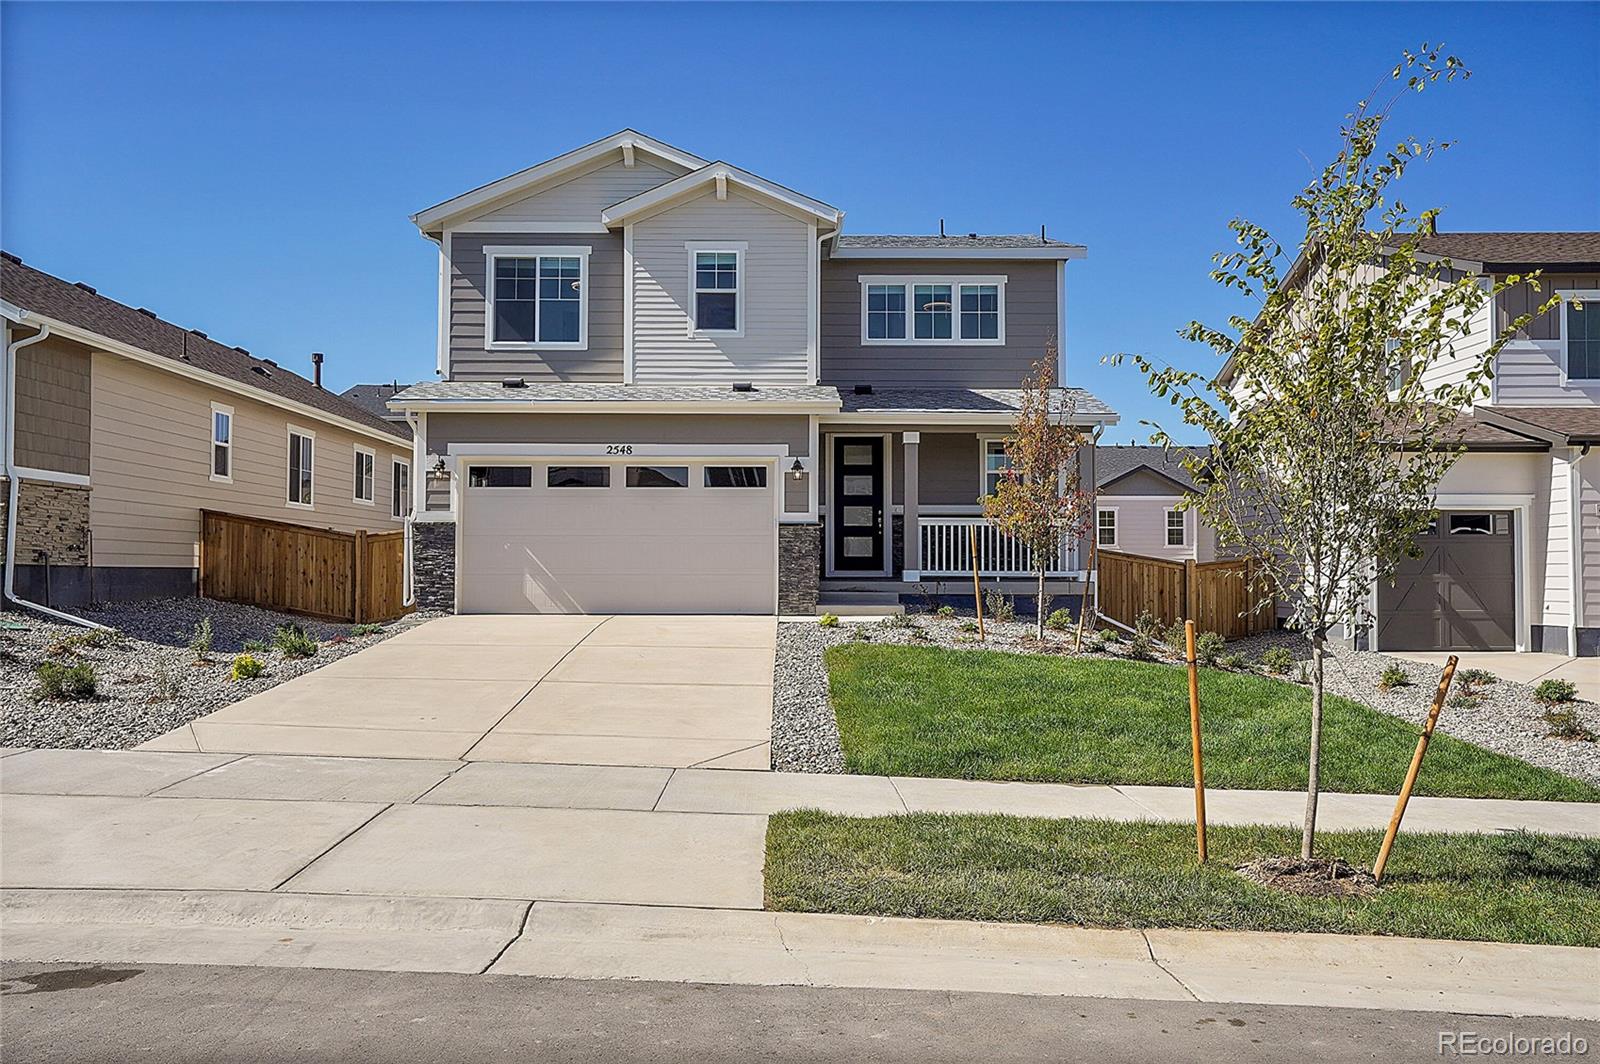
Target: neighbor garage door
1459 593
587 537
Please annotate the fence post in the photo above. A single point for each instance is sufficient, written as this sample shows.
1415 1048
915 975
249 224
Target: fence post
359 583
200 577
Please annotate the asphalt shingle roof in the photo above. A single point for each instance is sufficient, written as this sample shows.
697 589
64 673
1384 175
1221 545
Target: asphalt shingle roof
617 393
1580 424
1115 462
81 306
963 400
934 243
1572 251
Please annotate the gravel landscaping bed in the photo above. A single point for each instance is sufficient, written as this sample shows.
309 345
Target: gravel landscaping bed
1505 719
148 681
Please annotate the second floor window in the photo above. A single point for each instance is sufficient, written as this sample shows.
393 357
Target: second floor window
221 442
1106 528
886 312
933 310
301 446
1582 335
1176 534
538 300
716 291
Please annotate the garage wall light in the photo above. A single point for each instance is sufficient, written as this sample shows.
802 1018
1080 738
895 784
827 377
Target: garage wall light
797 470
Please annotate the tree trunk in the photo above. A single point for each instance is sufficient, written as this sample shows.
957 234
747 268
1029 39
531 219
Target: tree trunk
1308 833
1039 605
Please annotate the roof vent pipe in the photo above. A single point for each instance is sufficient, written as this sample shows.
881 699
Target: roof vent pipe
316 368
941 227
513 382
743 386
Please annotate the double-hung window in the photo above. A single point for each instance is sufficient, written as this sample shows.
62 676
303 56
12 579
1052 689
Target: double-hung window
933 310
1580 335
1105 528
221 442
366 461
538 298
1177 530
717 275
302 444
400 489
995 464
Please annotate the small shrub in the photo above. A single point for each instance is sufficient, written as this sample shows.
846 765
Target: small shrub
1176 636
898 620
1564 724
946 611
1109 635
968 626
89 639
1060 620
1465 698
366 629
247 667
292 641
1208 648
200 641
256 646
1002 609
70 683
828 620
1277 660
1555 692
1231 661
1393 676
167 682
1476 677
861 633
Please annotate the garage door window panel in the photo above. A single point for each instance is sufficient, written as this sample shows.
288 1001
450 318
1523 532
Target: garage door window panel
736 476
486 476
578 477
657 477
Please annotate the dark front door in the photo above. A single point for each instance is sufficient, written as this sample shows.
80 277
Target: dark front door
1459 593
857 511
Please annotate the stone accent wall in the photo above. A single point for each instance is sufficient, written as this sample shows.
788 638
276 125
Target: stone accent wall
54 518
897 544
799 566
433 565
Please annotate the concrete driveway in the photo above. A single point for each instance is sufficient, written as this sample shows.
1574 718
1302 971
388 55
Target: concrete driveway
672 692
1521 668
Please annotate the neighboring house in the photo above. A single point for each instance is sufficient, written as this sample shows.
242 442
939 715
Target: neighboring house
1514 561
122 427
1140 506
670 385
374 399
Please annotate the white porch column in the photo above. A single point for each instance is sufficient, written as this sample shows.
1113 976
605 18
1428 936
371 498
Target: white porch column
911 541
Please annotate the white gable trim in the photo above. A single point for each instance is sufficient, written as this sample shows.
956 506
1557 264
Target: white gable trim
626 143
721 175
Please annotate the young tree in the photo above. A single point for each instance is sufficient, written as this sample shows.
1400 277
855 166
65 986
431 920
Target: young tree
1330 434
1040 498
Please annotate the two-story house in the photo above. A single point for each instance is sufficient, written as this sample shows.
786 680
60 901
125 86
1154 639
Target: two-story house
1513 562
669 385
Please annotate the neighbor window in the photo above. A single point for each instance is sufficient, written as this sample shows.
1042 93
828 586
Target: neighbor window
736 476
995 464
578 476
301 447
366 461
657 476
500 476
933 310
716 291
1581 331
538 300
1177 532
221 442
400 489
1106 528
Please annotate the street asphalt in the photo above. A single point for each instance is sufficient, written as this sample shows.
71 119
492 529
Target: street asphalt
88 1014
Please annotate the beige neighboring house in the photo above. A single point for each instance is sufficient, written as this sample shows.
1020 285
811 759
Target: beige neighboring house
120 428
1140 507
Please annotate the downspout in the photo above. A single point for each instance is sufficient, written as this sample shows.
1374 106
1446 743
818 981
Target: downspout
15 485
1575 547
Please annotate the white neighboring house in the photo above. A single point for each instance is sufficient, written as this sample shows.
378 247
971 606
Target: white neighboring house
1140 507
1514 560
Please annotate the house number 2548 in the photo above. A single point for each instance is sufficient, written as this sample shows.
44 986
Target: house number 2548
619 448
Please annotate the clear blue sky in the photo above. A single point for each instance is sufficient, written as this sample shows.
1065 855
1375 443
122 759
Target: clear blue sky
248 169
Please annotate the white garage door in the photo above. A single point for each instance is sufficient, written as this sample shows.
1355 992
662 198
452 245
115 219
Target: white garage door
581 536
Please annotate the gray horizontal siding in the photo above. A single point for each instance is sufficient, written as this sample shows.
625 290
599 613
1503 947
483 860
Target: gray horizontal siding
602 362
1030 327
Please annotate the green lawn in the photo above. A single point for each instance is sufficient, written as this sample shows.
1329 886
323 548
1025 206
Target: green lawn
1100 873
972 714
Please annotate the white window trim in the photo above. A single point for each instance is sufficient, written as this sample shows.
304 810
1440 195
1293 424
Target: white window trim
290 432
955 281
1583 295
356 461
536 251
1116 525
396 467
1183 524
736 248
211 457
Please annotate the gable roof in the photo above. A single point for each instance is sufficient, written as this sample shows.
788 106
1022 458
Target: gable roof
1507 252
718 173
373 398
78 312
1113 462
971 246
625 141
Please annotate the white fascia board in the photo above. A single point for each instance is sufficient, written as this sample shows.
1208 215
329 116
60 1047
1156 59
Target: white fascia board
227 384
626 406
11 312
960 253
947 417
523 180
768 451
709 174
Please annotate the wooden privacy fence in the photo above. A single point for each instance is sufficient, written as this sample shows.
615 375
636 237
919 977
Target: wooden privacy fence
1226 597
334 576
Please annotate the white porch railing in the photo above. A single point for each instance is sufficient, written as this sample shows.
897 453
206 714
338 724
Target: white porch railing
947 550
